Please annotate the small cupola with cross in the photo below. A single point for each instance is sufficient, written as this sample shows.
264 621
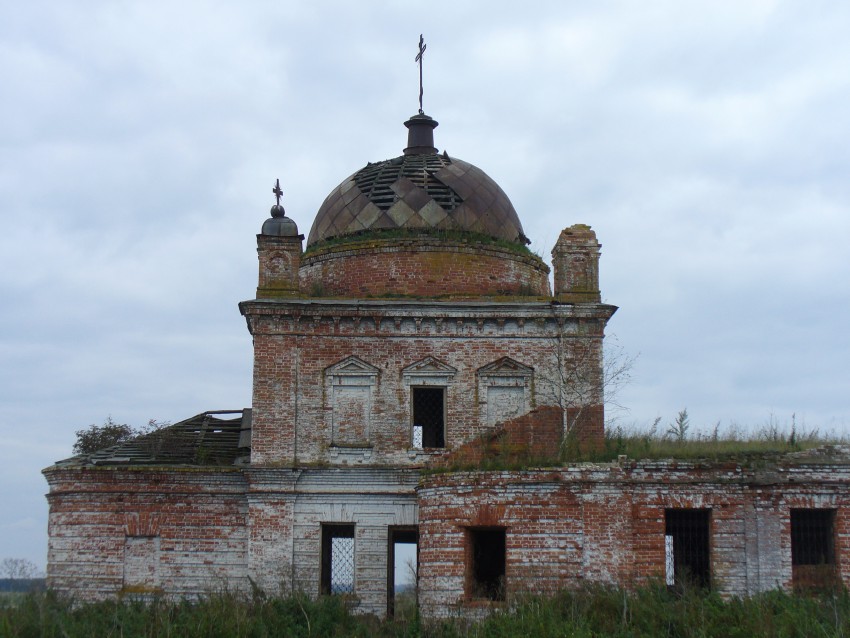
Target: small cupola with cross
279 252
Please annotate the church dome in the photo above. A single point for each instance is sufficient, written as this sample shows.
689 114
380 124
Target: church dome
418 191
420 225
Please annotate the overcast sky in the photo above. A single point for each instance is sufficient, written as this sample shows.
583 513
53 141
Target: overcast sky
707 143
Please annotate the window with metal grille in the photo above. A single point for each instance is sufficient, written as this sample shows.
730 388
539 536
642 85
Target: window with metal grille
486 569
813 547
429 410
688 557
337 559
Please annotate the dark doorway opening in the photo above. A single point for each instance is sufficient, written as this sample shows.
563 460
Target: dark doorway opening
402 571
813 548
487 563
688 556
337 575
429 416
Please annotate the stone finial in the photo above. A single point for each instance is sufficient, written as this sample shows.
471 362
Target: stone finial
575 261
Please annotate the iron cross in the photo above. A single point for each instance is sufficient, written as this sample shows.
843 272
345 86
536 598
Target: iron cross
276 190
422 47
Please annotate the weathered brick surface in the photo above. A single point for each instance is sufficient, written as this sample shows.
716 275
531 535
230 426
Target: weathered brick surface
332 443
297 342
606 524
422 268
535 436
197 517
288 508
186 532
575 261
279 261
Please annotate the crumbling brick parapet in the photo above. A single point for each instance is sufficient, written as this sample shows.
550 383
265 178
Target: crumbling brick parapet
575 262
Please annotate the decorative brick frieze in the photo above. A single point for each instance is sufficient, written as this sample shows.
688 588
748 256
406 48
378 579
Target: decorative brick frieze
411 318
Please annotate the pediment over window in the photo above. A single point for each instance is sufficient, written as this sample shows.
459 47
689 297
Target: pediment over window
505 367
429 366
352 367
351 385
504 390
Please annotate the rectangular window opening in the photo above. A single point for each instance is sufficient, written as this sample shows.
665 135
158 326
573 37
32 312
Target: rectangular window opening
487 563
402 572
429 412
686 545
813 548
337 559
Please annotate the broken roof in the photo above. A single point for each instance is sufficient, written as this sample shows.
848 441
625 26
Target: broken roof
210 438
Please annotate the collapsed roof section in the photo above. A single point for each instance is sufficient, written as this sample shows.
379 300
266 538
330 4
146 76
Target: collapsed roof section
213 438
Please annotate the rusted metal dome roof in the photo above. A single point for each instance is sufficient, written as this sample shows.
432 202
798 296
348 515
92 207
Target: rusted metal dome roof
418 191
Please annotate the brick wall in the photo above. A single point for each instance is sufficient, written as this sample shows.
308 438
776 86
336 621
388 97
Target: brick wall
195 523
297 345
535 436
422 268
279 260
187 532
575 261
606 524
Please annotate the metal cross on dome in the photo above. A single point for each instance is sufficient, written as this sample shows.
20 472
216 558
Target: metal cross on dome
422 47
277 192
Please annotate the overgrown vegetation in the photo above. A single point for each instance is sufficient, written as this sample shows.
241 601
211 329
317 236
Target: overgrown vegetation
382 234
593 611
677 440
99 437
681 441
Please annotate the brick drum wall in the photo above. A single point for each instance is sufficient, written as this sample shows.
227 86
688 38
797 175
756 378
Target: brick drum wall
422 268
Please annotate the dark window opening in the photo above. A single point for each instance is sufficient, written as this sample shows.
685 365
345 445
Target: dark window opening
487 563
337 559
402 572
429 409
813 547
688 558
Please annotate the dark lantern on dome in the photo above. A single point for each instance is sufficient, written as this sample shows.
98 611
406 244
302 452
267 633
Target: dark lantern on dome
420 135
420 192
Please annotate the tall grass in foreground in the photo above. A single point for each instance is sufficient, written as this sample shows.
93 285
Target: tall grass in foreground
594 611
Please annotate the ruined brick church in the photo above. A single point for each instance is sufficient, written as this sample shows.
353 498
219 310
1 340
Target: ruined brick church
416 383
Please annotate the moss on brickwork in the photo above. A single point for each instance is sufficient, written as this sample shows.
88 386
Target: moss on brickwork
374 238
277 293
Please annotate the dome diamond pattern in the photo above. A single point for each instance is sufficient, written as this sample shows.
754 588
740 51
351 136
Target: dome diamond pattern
420 191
